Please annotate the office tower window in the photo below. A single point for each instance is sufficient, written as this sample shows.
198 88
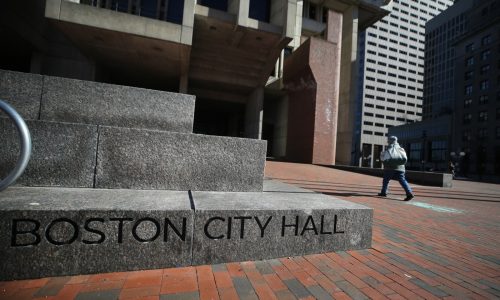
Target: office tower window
467 102
483 99
466 136
467 118
438 151
485 54
468 89
484 85
482 133
415 151
483 116
485 69
260 10
220 5
486 40
312 11
469 47
469 61
469 75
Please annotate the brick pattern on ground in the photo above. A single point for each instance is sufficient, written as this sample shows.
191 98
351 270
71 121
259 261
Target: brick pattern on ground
441 245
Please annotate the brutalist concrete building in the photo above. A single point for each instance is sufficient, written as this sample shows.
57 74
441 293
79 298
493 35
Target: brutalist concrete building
391 74
280 70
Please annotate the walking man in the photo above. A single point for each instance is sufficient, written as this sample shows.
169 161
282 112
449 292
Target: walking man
394 159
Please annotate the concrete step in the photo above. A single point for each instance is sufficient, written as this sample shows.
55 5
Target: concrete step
40 97
80 155
62 231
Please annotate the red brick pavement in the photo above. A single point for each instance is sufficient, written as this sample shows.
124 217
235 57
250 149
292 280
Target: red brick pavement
444 244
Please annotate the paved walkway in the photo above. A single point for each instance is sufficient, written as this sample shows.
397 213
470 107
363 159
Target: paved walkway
444 244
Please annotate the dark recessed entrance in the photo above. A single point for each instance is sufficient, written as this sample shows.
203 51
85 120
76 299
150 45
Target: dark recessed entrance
219 118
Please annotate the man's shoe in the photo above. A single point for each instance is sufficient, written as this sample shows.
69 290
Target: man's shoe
382 195
409 197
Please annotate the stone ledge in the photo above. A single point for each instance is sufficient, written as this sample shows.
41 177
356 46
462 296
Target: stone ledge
79 101
22 91
418 177
48 98
254 226
63 231
148 159
63 154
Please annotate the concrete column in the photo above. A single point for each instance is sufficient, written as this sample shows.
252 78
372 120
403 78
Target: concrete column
243 11
240 8
327 101
310 77
280 129
347 98
278 11
295 43
254 114
334 27
372 157
233 6
183 84
188 22
283 14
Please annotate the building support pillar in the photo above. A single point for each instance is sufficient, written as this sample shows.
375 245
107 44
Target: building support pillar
347 98
254 113
183 84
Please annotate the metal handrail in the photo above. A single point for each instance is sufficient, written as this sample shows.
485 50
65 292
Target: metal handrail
25 145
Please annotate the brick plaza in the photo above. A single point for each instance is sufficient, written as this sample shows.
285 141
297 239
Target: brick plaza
444 244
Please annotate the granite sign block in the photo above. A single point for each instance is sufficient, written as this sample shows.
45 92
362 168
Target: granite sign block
63 154
147 159
22 91
253 226
61 231
78 101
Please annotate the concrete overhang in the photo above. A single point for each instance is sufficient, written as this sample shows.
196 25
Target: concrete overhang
229 57
312 27
120 39
369 11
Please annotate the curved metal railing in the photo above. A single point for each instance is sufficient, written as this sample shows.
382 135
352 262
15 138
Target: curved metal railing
25 145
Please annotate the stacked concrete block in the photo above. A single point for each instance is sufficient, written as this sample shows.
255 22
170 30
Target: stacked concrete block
63 154
23 91
78 101
117 181
88 134
62 231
